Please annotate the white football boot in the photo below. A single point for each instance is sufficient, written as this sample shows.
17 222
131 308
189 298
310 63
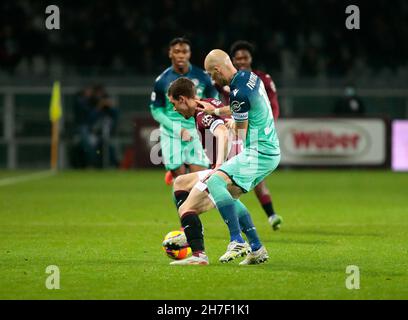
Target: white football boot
275 221
201 259
235 250
256 257
176 243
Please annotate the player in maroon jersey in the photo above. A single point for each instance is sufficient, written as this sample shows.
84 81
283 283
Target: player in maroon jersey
241 56
190 192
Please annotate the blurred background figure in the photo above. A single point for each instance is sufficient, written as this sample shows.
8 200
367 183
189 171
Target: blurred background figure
124 45
350 104
95 118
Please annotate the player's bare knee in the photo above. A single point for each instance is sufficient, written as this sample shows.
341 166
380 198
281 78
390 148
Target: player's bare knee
186 209
180 183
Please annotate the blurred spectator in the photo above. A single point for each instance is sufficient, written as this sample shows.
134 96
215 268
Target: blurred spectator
95 118
350 104
129 37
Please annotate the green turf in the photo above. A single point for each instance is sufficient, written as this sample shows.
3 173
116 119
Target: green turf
104 230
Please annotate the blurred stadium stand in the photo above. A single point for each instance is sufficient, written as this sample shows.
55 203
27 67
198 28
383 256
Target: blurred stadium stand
303 45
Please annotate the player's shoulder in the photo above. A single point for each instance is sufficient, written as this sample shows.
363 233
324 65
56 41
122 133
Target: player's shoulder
266 79
163 76
215 102
262 75
242 85
199 73
244 80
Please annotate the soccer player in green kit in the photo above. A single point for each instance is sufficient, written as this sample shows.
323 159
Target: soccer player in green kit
253 116
179 141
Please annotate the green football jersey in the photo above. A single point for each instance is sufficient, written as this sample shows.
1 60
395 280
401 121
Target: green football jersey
159 98
249 101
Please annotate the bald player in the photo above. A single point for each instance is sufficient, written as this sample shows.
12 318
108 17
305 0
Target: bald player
242 56
254 123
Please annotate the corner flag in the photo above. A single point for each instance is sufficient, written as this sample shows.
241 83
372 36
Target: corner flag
55 116
55 106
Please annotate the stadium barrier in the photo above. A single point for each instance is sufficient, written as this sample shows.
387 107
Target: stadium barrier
25 128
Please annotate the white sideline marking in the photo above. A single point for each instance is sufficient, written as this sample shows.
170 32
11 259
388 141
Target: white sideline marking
28 177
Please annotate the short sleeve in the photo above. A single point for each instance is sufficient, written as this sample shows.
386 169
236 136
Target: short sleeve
239 105
158 96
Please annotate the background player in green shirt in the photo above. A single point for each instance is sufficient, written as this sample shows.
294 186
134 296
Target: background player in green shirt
179 140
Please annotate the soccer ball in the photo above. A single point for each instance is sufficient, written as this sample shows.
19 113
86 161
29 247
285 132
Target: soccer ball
176 254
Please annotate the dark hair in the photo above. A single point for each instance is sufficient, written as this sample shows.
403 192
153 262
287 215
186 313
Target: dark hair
242 45
181 87
179 40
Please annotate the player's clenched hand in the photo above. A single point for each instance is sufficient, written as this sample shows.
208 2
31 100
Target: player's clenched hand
206 107
185 135
230 124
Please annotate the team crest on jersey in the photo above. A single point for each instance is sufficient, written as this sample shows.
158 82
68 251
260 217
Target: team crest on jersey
236 105
195 81
216 102
207 120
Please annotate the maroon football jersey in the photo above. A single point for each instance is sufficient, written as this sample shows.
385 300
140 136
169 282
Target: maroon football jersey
270 90
206 125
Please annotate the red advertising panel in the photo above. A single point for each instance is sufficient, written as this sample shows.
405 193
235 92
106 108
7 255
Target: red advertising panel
333 142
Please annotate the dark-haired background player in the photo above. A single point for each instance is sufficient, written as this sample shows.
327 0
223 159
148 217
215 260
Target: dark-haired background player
241 54
179 140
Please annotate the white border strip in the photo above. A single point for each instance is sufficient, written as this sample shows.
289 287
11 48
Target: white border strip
28 177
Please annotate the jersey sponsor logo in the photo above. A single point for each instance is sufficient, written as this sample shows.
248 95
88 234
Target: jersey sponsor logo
235 92
153 96
236 105
240 116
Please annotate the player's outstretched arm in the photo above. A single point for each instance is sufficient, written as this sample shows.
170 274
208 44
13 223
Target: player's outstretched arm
159 115
221 133
208 108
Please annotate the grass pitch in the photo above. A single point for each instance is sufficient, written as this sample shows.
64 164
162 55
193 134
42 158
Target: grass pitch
104 231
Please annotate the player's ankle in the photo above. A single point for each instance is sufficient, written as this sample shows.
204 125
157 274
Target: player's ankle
197 253
237 238
256 246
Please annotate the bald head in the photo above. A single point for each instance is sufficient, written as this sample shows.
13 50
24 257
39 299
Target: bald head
218 64
216 58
